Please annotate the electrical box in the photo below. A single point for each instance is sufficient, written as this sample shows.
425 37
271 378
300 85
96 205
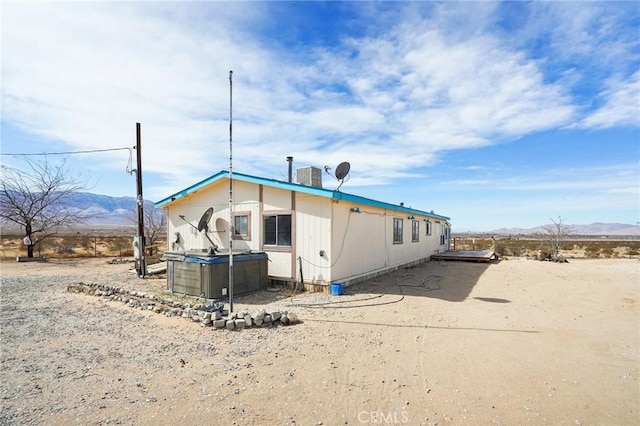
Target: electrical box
138 247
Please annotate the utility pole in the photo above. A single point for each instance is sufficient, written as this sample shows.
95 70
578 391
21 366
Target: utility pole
141 266
231 224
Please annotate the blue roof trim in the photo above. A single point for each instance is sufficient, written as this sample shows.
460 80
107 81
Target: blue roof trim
381 204
320 192
190 189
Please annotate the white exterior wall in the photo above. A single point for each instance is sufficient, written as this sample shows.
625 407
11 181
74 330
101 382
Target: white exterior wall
246 201
368 246
313 225
354 245
441 230
282 260
216 196
192 208
276 199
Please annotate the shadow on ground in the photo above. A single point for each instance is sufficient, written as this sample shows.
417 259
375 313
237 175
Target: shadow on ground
452 281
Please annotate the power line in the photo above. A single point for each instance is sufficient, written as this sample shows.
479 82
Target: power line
88 151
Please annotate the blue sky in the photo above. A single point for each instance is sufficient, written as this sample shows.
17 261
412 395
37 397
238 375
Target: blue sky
496 114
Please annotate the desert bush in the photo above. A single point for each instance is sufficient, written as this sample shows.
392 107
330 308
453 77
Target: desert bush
516 251
502 249
64 249
590 248
632 251
87 244
607 252
592 251
119 246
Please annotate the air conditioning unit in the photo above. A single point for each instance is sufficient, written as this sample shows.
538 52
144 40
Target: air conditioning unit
309 176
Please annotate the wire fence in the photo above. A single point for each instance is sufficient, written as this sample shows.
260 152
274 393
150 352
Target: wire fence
73 246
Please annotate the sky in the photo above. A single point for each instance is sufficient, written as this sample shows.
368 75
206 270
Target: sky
495 114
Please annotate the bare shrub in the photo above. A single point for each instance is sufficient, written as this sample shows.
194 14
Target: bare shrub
607 252
632 251
65 249
557 232
592 251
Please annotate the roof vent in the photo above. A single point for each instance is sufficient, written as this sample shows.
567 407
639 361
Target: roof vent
309 176
290 161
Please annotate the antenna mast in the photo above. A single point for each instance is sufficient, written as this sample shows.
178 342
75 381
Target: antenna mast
231 225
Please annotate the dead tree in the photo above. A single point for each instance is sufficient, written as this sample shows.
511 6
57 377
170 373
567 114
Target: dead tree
36 200
557 233
155 225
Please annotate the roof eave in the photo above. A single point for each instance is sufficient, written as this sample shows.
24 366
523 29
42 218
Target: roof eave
321 192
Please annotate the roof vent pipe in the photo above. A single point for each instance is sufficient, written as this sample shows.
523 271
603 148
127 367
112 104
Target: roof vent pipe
290 161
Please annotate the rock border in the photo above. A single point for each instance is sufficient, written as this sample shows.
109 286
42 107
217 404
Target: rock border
206 315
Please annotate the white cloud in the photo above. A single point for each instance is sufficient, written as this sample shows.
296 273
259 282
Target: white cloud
585 30
388 101
610 179
621 104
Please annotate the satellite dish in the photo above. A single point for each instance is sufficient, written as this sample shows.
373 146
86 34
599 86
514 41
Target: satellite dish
203 225
204 220
342 170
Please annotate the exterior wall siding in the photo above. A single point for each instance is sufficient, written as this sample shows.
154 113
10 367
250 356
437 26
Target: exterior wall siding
313 220
192 208
337 240
363 242
276 199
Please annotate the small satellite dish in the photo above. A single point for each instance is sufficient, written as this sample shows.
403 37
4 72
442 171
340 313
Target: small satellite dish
342 170
203 225
204 220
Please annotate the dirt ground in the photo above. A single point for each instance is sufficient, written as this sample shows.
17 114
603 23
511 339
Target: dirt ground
514 342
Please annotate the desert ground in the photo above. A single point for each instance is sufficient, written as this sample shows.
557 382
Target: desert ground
513 342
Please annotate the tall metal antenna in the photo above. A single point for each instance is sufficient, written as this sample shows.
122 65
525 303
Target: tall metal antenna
231 224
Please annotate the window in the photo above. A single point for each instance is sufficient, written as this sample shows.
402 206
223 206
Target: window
242 226
397 231
277 230
415 231
428 226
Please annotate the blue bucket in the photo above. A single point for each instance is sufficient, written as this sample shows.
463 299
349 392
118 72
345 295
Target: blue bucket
336 289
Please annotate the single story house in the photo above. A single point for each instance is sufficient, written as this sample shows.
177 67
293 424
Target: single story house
319 235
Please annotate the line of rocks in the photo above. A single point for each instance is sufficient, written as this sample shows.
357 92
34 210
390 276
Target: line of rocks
206 315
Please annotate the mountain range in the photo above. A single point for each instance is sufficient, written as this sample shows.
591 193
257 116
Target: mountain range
593 229
116 211
106 211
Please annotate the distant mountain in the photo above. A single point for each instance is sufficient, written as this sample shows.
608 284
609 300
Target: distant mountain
599 229
121 211
105 210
